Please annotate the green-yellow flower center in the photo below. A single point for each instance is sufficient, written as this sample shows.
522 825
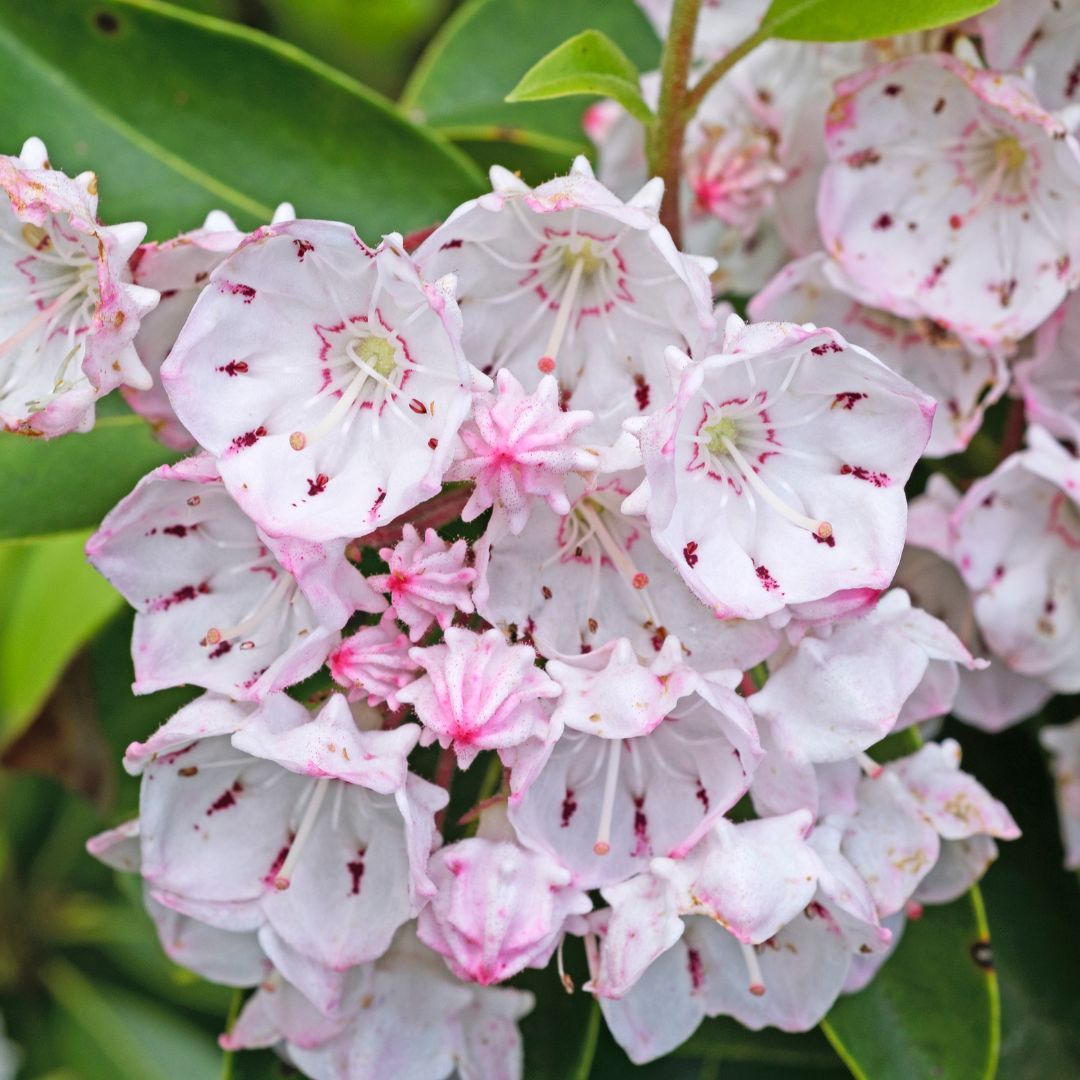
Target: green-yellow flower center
378 354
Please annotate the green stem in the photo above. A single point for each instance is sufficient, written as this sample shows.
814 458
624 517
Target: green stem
665 137
588 1046
229 1057
696 96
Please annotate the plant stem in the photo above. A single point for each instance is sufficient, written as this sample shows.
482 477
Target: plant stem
696 96
665 138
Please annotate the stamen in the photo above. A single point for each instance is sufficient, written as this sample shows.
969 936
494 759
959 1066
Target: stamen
869 766
307 823
822 529
753 969
283 585
43 316
567 982
566 307
607 812
612 548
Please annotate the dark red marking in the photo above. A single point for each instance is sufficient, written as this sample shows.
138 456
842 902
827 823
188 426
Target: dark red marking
955 221
939 105
179 531
433 443
569 806
418 406
689 553
862 158
246 292
702 795
878 479
828 541
697 973
234 368
642 393
279 861
883 221
893 89
221 649
249 438
303 247
185 592
318 485
847 399
450 244
225 800
356 872
766 578
641 828
826 347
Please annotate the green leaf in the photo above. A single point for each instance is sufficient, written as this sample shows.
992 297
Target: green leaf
51 603
230 118
68 484
449 89
933 1009
139 1041
590 63
857 20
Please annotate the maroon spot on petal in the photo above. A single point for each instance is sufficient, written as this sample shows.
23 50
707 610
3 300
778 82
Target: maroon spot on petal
988 501
249 438
279 862
828 541
235 288
317 485
450 244
883 221
938 106
201 276
1072 80
999 572
846 399
220 649
379 499
183 594
862 158
642 393
689 553
179 531
892 89
766 578
356 872
641 829
1049 607
226 799
702 795
659 638
303 247
697 973
545 592
172 755
827 347
168 294
530 629
569 806
937 270
234 368
1062 266
1004 291
878 479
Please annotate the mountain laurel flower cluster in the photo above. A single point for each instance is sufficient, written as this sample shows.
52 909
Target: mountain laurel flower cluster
524 515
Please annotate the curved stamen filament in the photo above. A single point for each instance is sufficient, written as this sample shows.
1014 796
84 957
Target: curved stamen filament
562 318
607 810
612 548
567 982
45 315
307 823
869 765
753 970
278 594
819 528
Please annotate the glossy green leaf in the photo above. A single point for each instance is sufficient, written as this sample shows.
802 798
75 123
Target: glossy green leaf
589 63
451 89
51 604
933 1009
857 20
68 484
230 118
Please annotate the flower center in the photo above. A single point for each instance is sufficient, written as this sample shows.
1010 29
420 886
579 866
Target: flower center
378 354
718 435
1009 153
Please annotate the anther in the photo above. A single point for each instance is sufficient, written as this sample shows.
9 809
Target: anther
640 580
753 970
607 812
869 766
546 364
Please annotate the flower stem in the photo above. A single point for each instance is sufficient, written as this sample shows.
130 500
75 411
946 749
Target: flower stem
696 96
665 138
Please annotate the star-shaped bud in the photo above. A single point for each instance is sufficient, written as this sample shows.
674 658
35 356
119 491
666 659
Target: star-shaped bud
765 483
931 163
326 377
519 447
428 581
479 693
219 604
374 663
1017 537
551 278
499 908
70 310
